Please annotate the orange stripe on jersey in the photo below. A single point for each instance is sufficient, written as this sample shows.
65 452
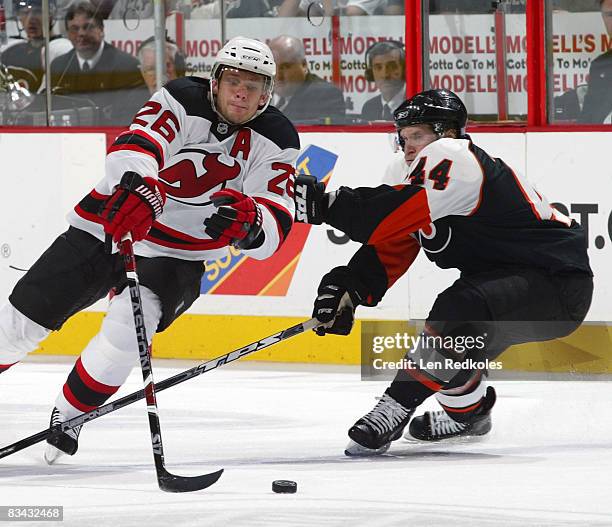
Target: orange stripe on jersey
525 195
397 256
423 379
412 215
473 211
461 410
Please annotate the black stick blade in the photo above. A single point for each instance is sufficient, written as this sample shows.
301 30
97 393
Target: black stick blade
171 483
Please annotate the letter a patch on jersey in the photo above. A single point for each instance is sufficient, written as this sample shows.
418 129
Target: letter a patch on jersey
236 274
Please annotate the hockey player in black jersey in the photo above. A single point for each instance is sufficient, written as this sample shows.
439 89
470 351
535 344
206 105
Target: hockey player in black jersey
525 272
25 58
204 165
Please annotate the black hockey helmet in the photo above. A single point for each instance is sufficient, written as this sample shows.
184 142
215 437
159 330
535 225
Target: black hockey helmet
442 109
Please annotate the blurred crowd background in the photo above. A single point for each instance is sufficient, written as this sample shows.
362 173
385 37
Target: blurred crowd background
339 62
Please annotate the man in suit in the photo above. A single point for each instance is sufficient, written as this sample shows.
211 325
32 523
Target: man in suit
597 106
95 69
385 66
302 96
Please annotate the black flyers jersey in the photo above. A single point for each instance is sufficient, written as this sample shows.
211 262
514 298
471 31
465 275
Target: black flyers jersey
466 210
179 139
486 215
25 61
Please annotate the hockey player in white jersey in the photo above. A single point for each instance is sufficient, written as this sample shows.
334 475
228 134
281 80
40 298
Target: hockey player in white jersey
525 273
204 165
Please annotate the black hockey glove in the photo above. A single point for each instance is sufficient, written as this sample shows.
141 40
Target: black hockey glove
311 201
337 299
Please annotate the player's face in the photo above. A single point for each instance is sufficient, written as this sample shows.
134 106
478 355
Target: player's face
239 94
388 73
31 21
85 35
415 139
606 13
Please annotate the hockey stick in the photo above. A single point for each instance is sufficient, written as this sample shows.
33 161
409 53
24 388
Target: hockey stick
166 383
166 481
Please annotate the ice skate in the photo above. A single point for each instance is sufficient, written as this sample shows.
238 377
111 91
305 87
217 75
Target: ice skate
436 426
61 443
372 434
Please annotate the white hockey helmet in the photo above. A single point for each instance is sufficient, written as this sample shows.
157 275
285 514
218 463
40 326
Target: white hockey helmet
245 54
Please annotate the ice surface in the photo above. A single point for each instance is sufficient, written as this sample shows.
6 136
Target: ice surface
548 460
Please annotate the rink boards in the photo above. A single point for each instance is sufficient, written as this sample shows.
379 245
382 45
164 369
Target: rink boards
243 300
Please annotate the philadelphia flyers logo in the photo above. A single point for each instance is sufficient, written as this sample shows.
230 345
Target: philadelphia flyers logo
191 180
436 238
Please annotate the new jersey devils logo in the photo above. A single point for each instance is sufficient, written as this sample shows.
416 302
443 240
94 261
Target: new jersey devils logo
185 180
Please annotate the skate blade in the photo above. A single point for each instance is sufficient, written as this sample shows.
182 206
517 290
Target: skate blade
52 454
457 440
356 450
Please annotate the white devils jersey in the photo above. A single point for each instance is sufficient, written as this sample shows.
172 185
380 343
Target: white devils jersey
178 139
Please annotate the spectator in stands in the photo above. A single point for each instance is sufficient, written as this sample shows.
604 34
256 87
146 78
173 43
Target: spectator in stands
96 69
234 9
25 59
175 63
342 7
385 66
597 107
302 96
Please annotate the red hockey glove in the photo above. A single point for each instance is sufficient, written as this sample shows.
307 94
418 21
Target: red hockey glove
133 207
238 219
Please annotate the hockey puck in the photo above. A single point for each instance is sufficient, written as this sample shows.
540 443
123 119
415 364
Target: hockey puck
283 486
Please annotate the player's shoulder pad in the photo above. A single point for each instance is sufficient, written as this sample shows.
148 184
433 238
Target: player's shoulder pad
465 165
275 126
192 94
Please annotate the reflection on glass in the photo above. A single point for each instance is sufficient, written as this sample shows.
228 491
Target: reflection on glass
95 74
480 54
582 62
301 95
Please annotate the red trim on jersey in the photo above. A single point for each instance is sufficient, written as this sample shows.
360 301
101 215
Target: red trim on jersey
89 216
97 195
131 148
184 241
91 383
146 136
270 205
397 256
278 227
71 398
409 217
461 410
273 203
